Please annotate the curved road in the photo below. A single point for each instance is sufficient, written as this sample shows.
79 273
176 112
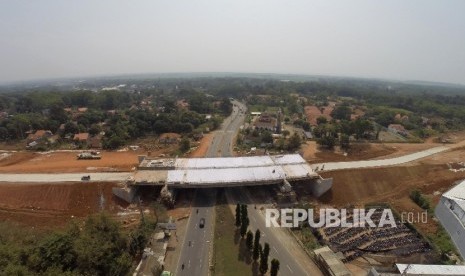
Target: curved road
332 166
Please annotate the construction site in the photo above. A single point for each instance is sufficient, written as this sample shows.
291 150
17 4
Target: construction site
223 172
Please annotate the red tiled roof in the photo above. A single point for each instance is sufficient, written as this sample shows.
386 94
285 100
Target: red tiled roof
81 136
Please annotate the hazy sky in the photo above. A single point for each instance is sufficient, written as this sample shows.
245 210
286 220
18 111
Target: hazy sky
395 39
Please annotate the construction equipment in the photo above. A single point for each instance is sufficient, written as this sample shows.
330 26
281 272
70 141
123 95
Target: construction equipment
89 155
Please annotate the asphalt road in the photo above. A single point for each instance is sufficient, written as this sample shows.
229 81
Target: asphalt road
293 261
332 166
197 246
221 146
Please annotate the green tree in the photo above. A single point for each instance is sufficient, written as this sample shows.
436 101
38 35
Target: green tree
360 127
344 141
238 215
321 120
185 145
226 106
57 113
249 240
267 137
113 143
306 126
342 112
274 267
285 133
71 128
244 226
4 135
294 142
94 130
101 248
256 246
263 268
327 141
244 213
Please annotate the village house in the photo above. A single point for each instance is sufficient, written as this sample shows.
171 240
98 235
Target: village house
169 138
397 128
40 137
182 104
265 122
81 138
95 142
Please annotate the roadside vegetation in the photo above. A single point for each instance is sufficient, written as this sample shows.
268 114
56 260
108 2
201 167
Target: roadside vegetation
238 250
226 243
97 247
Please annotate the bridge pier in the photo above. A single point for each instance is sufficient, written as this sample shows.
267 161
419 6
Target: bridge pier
286 194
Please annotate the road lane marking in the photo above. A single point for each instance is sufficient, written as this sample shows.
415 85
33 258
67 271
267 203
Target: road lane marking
275 249
290 269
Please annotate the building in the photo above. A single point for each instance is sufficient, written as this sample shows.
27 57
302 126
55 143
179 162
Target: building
397 128
81 138
95 142
330 262
182 104
451 213
265 122
421 270
169 138
308 135
39 137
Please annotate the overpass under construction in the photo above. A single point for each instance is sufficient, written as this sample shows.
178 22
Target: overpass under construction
223 172
227 172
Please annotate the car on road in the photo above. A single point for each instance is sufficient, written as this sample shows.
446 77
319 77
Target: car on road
85 178
202 223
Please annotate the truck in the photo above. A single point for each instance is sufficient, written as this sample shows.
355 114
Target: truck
89 155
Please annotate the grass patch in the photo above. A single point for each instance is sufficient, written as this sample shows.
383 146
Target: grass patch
307 238
262 108
227 243
443 243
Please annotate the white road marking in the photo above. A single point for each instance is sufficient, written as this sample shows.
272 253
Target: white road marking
275 249
290 269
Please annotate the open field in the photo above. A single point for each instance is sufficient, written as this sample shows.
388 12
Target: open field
47 205
313 112
361 151
386 184
66 162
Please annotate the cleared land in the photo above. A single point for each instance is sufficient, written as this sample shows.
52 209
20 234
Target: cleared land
363 151
202 147
66 162
312 113
54 205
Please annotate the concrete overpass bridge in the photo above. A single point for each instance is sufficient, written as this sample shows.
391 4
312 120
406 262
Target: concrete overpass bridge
219 172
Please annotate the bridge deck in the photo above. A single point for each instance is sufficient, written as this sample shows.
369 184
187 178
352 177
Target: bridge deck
223 172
